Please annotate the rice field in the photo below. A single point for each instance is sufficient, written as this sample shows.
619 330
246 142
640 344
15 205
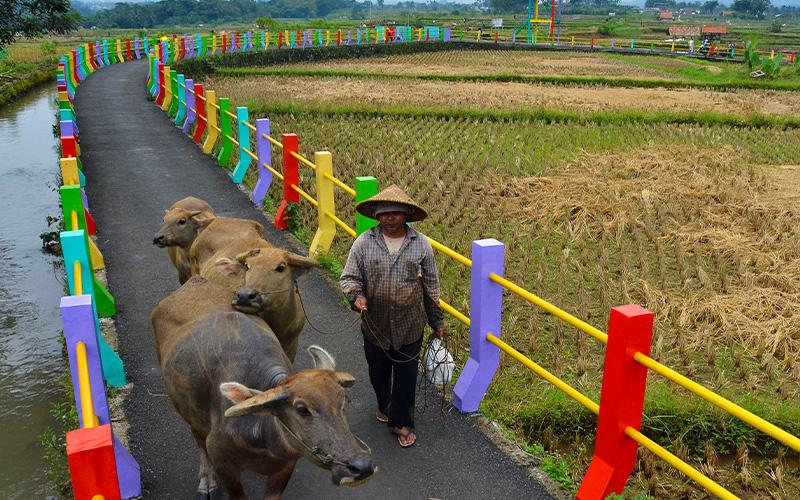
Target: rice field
698 223
265 90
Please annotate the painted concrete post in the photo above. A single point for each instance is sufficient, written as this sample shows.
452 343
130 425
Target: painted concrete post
120 56
630 330
69 172
146 45
243 136
180 84
136 46
612 42
191 110
358 36
291 176
182 49
447 34
200 104
128 55
74 245
161 92
486 304
92 464
633 44
326 227
167 102
175 100
77 314
71 201
349 37
211 115
98 53
106 60
226 132
264 153
366 187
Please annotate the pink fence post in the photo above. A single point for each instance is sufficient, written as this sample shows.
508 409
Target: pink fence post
630 330
291 176
485 307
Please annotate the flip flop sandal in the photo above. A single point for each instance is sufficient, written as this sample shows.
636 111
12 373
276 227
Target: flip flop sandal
381 417
405 436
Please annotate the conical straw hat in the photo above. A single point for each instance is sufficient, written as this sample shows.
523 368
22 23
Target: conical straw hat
392 194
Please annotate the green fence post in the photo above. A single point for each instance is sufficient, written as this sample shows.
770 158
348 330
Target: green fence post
366 187
226 127
180 115
173 84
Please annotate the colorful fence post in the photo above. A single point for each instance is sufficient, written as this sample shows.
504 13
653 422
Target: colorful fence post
264 153
211 121
191 106
175 98
226 132
92 464
366 187
137 53
180 86
630 330
161 92
291 176
72 201
200 106
243 135
106 59
166 103
486 304
326 227
128 55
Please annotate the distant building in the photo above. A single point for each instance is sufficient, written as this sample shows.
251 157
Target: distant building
727 13
684 31
689 10
713 32
665 16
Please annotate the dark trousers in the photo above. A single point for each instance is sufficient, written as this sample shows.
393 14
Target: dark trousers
393 375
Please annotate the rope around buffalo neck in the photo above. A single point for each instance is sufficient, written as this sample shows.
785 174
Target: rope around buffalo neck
314 450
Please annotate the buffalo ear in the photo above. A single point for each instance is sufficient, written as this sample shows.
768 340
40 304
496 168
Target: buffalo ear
322 359
202 217
228 267
242 257
236 392
345 379
264 401
300 265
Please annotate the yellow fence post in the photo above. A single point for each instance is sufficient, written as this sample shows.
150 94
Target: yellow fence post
213 44
326 229
69 172
165 104
119 51
211 120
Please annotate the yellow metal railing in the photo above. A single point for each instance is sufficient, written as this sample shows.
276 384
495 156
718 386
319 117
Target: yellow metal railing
87 405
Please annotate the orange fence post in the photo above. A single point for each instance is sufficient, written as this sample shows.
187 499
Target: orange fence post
291 175
630 330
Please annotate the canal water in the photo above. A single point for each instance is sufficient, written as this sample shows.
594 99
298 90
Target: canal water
31 363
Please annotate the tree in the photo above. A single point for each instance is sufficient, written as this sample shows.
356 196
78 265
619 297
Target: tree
30 18
755 8
711 6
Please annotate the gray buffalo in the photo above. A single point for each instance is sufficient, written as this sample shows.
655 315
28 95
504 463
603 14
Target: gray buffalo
183 222
229 379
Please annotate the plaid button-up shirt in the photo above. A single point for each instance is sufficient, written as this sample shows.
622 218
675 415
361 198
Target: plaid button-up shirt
402 290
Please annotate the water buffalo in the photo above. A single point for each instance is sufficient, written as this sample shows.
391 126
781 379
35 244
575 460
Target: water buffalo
220 233
266 286
183 221
229 379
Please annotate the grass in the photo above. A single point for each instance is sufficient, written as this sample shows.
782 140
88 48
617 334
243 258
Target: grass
693 218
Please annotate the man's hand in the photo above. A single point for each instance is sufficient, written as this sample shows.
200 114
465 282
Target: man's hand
440 332
360 304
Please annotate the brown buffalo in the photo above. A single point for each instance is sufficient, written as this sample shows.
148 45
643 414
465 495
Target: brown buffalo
229 379
183 221
266 285
221 233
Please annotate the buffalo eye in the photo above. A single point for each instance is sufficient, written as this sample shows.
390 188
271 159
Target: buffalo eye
281 267
182 221
302 411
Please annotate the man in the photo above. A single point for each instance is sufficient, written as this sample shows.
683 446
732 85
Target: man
390 277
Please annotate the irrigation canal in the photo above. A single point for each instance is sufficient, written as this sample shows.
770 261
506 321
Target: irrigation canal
31 364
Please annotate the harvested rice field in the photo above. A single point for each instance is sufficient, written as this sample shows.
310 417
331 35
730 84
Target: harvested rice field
534 63
697 222
265 90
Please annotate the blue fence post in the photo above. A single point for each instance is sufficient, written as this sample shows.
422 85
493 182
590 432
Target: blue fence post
486 304
105 53
146 44
180 116
73 245
264 153
243 135
191 110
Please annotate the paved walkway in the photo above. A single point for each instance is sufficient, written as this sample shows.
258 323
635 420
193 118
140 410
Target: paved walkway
137 164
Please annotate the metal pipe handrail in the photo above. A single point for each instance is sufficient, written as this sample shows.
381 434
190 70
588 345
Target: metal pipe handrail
85 387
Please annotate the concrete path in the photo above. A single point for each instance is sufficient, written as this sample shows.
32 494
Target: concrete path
137 164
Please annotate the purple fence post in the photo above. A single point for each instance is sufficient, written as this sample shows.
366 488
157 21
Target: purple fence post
78 317
191 114
98 54
136 47
447 33
250 41
349 37
264 153
486 303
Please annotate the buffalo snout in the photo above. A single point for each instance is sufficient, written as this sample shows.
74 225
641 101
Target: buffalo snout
356 472
247 300
160 240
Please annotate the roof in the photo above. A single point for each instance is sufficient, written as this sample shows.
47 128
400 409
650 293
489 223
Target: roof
715 30
665 15
675 30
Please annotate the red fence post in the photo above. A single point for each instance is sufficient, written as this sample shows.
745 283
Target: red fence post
92 465
128 49
792 60
338 37
291 175
592 43
224 44
69 147
630 330
182 53
161 83
280 39
200 106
